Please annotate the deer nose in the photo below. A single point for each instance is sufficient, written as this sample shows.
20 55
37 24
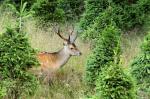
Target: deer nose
80 53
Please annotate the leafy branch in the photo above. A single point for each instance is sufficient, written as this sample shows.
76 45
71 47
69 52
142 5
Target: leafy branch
21 14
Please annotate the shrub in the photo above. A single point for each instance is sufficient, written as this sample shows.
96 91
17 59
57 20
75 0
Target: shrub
140 68
130 14
48 11
92 10
123 2
114 83
126 14
104 51
3 88
17 3
73 9
16 58
144 5
93 31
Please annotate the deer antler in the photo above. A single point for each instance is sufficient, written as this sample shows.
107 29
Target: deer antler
58 32
72 35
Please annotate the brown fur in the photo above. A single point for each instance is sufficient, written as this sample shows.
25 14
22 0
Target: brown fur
47 60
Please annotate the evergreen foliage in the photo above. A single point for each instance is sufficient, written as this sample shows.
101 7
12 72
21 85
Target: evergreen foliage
16 57
126 14
58 10
21 15
94 30
92 10
114 83
104 51
103 71
17 3
140 68
73 9
48 11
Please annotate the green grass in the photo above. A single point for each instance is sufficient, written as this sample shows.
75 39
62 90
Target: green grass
68 81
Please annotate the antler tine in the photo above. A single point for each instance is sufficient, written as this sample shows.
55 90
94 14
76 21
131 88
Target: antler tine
72 35
58 32
71 32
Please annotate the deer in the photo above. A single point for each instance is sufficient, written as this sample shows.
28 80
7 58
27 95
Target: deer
50 62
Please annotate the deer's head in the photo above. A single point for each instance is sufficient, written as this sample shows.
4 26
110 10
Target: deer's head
69 43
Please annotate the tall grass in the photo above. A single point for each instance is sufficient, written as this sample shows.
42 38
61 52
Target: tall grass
131 42
6 19
68 81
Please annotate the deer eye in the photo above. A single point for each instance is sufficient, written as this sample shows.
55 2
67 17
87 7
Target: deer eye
71 48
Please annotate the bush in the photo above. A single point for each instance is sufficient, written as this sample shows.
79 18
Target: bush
131 14
123 2
92 10
140 68
3 88
104 51
17 3
144 5
126 14
16 58
94 30
114 83
48 11
73 9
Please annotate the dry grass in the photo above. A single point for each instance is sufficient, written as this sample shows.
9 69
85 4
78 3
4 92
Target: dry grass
6 19
68 82
131 42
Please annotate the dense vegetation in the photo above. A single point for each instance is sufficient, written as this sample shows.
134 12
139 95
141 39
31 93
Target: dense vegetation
16 58
114 83
140 68
58 10
104 52
125 14
48 10
92 10
17 3
102 23
103 69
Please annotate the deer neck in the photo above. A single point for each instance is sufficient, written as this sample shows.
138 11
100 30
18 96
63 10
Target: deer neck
63 57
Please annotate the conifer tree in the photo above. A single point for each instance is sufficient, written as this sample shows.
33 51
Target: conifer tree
92 10
105 49
140 67
114 83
